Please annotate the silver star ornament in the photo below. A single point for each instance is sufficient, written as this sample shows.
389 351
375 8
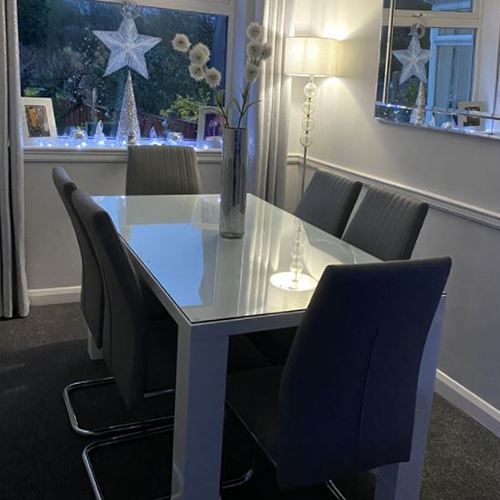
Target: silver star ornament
413 59
127 47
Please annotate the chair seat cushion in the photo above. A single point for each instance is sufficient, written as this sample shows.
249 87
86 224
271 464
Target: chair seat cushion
253 396
162 355
244 355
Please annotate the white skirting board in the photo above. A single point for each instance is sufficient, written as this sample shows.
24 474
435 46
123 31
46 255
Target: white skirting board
467 401
53 296
471 404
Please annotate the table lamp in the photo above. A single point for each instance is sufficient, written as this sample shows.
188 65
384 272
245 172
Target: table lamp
312 57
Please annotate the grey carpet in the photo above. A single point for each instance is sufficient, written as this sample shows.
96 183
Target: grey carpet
40 457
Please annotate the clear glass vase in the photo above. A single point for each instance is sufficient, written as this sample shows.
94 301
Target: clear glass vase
234 183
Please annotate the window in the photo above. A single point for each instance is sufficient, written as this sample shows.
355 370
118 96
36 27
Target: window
63 60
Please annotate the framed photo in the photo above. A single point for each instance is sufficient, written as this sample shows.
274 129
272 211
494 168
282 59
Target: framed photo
38 118
210 125
471 122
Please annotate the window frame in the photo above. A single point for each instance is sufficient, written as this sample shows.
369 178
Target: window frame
443 16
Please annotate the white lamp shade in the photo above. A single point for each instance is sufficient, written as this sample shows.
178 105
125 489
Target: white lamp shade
311 56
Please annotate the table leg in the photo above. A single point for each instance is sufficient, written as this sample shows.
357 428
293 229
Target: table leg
403 481
199 415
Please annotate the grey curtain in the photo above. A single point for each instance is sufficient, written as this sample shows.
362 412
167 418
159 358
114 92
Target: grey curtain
14 299
269 122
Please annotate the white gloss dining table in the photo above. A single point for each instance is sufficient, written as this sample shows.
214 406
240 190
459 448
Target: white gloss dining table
215 288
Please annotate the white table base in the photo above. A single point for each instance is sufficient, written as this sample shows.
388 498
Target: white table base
403 481
199 415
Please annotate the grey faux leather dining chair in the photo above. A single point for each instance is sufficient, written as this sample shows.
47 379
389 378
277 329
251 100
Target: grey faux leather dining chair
93 306
157 170
140 353
387 224
132 341
345 400
328 202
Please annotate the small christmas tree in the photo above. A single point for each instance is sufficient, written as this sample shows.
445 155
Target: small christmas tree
128 126
418 114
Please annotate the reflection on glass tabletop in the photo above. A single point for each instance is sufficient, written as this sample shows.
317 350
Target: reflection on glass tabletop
273 269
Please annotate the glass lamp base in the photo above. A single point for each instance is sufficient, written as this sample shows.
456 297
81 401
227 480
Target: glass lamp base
289 282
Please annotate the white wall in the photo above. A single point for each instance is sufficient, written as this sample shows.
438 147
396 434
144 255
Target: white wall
459 175
52 256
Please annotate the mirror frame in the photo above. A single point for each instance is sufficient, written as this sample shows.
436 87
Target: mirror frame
388 20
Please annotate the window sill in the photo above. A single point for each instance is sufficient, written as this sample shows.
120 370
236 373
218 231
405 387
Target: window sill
110 152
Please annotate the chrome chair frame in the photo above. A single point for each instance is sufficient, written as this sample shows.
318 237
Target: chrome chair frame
337 494
112 429
233 483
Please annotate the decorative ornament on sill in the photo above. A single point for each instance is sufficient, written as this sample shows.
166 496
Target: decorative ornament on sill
152 133
99 135
128 49
78 135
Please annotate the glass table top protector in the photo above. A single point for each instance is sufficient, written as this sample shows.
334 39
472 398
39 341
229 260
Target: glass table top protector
211 278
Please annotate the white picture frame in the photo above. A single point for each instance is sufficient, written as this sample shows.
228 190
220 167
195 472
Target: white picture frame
471 122
38 119
210 125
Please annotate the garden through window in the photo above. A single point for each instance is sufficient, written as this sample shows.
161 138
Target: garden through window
63 60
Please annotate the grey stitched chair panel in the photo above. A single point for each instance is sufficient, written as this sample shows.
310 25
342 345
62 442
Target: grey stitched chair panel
328 202
156 170
345 401
92 294
387 224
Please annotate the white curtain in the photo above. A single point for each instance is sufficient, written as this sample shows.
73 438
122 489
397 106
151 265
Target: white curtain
13 284
269 121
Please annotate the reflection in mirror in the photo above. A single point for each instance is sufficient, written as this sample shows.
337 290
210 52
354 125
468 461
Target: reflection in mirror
439 64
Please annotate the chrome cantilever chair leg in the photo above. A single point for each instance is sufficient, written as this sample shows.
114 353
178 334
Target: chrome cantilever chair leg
112 429
337 494
131 437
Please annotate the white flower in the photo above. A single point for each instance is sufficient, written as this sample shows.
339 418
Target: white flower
181 43
197 72
254 49
255 31
267 51
199 54
213 77
204 48
251 72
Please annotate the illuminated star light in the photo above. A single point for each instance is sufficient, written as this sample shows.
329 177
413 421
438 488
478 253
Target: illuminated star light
413 59
127 47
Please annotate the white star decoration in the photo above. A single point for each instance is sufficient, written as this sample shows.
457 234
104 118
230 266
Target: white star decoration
128 48
413 59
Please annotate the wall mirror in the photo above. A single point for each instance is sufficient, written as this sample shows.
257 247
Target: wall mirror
439 65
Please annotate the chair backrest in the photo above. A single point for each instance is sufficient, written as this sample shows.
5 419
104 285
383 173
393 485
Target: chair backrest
348 392
92 296
387 224
162 170
125 333
328 202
